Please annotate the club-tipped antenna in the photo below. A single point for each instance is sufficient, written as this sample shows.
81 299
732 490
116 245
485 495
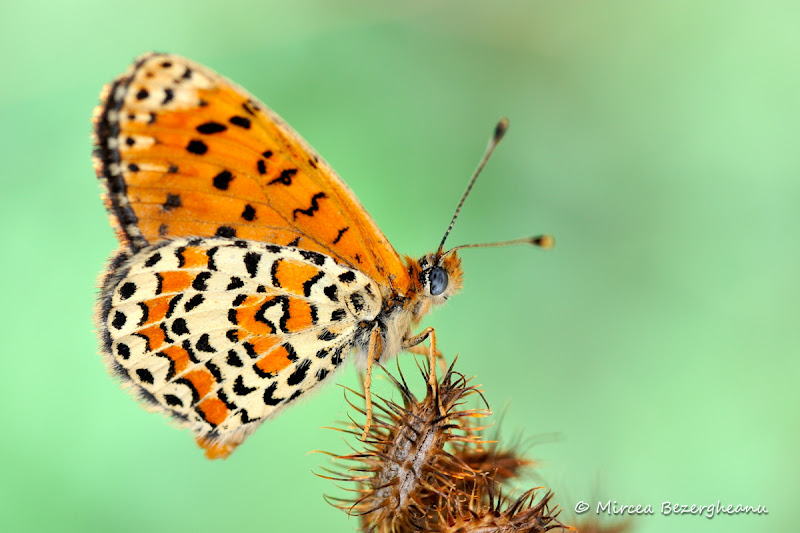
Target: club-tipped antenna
542 241
499 131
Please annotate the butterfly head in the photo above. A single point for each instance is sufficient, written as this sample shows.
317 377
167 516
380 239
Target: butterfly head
439 276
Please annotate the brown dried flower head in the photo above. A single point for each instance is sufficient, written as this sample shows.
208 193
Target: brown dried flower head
425 467
405 469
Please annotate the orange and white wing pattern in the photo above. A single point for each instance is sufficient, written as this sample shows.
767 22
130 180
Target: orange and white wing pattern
245 265
184 152
222 333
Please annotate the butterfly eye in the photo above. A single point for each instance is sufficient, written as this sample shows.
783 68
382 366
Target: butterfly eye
438 280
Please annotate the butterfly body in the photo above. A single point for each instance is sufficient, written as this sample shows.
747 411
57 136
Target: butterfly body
247 270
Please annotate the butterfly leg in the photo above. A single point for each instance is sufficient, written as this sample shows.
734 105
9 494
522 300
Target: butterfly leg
422 350
374 339
413 345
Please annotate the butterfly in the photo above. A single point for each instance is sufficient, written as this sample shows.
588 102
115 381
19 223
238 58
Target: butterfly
247 270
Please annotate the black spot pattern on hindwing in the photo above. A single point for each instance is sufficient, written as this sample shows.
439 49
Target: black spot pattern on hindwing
200 282
119 320
239 387
309 284
314 257
145 313
347 277
172 304
210 254
172 400
299 374
251 260
144 375
179 327
358 301
152 260
193 302
269 395
332 292
203 344
127 290
123 351
233 359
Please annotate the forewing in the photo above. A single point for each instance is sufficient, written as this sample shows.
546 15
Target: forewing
184 152
222 333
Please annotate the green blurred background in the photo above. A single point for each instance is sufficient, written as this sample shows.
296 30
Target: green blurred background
651 356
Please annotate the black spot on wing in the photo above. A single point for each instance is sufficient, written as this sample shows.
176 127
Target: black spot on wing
269 395
326 335
233 359
210 127
274 273
168 96
127 290
309 284
249 213
172 400
312 209
332 292
299 374
179 327
239 387
193 302
203 344
197 147
285 178
226 231
357 300
314 257
123 351
242 122
222 180
119 320
339 234
173 201
200 282
145 313
144 375
172 304
251 260
153 260
210 254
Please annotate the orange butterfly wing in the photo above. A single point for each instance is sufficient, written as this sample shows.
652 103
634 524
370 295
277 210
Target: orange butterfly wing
184 152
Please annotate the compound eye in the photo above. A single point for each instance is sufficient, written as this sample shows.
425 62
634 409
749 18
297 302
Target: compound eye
438 280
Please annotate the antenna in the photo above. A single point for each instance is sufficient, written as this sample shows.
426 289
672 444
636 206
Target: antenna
499 131
544 242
